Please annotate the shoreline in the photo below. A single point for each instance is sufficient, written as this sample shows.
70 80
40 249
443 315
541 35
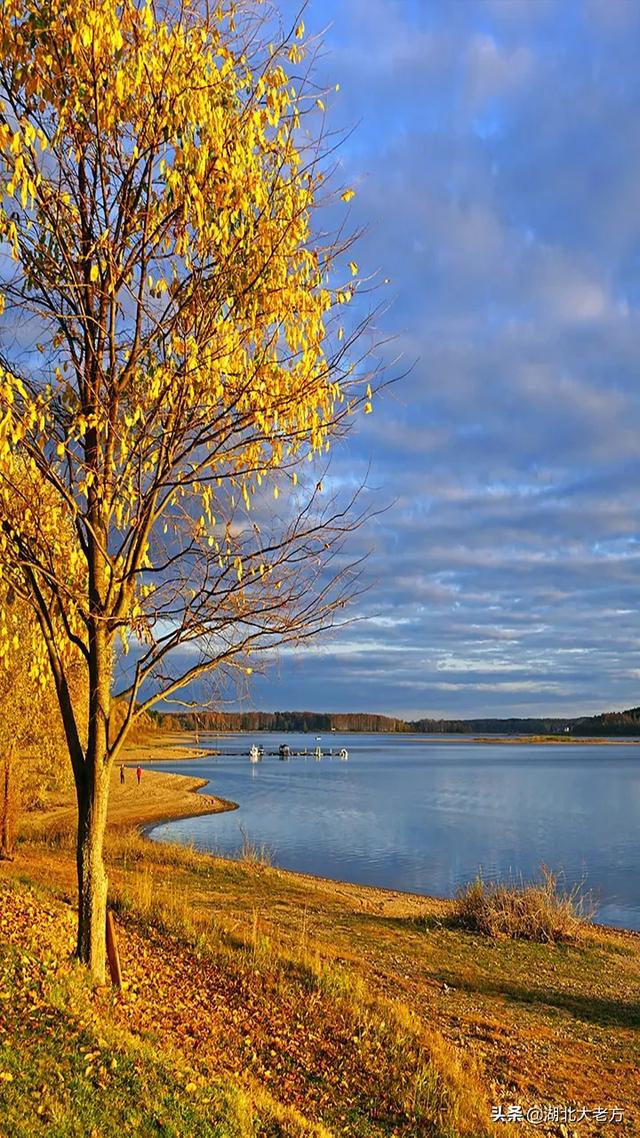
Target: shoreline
223 806
553 1022
160 797
192 750
176 797
383 895
173 797
170 747
557 740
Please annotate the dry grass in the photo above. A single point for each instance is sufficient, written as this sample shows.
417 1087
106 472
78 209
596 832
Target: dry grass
493 999
540 911
442 1091
253 853
71 1066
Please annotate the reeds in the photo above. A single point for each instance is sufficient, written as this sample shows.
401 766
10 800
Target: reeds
538 911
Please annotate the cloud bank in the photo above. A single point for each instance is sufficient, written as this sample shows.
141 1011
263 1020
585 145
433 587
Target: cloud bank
496 158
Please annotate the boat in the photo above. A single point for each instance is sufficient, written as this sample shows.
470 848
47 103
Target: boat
254 754
283 751
317 754
344 754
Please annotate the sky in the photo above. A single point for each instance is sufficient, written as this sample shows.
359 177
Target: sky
495 152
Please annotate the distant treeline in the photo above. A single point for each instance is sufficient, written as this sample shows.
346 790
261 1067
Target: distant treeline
610 723
277 721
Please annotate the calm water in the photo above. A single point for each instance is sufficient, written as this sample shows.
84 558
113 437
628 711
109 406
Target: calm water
425 815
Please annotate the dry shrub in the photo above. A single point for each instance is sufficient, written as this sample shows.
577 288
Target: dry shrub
540 911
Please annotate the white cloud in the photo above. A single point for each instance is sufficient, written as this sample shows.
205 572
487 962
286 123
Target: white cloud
494 71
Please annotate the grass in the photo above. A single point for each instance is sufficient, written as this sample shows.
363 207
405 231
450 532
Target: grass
356 1008
254 853
415 1070
540 911
304 1055
67 1070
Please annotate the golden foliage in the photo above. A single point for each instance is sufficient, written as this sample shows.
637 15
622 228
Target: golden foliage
157 197
157 192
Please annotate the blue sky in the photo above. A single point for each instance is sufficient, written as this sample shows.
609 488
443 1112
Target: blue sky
496 157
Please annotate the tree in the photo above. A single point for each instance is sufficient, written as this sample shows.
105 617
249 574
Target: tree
21 685
171 356
31 730
31 734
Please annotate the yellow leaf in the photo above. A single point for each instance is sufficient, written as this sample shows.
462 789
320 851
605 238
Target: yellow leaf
319 103
94 274
348 195
353 267
368 408
300 30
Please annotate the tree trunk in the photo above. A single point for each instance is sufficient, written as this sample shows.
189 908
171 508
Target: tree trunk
93 798
8 806
92 789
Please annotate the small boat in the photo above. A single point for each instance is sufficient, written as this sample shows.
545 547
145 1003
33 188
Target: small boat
317 754
283 751
254 754
344 754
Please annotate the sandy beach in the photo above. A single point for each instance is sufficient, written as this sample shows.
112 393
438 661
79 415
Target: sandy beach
159 797
168 747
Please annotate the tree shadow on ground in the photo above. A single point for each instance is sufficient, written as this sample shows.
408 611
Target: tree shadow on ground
591 1009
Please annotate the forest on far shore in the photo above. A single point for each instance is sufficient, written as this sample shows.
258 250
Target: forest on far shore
606 724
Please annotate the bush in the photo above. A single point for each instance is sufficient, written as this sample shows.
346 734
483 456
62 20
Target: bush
540 911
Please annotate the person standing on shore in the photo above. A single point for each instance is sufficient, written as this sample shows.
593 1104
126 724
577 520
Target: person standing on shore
121 773
138 774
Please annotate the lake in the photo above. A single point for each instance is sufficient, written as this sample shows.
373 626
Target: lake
426 814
